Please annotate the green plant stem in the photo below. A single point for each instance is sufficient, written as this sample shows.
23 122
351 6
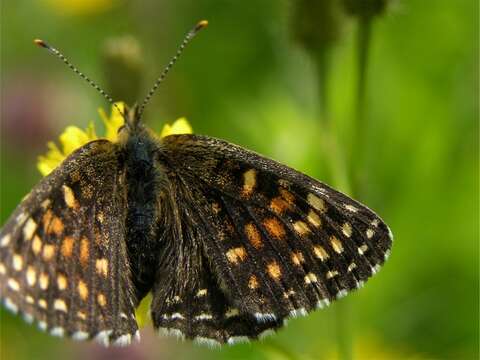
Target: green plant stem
339 177
359 126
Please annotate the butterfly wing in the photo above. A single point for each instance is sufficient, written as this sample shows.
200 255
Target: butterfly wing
63 259
278 243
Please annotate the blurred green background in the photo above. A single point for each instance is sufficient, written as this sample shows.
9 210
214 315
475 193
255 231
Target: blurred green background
282 78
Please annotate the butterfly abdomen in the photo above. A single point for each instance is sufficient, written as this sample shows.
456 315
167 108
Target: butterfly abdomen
143 182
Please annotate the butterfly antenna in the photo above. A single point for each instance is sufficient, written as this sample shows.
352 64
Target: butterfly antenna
200 25
58 54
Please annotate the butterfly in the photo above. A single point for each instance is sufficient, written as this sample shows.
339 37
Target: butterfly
228 242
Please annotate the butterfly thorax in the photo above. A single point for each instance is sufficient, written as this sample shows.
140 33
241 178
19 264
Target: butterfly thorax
143 179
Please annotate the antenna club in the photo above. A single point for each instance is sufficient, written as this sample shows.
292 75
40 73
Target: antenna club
41 43
201 24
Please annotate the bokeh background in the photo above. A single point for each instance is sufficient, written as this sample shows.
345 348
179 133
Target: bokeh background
378 98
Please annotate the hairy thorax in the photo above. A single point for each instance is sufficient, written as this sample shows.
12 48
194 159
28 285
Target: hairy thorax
143 179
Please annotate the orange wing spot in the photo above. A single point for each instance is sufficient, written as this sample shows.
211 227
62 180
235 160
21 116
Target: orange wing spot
274 227
336 244
46 219
102 300
253 282
274 270
278 205
253 235
56 226
297 258
48 252
82 290
249 182
287 195
236 255
67 246
84 251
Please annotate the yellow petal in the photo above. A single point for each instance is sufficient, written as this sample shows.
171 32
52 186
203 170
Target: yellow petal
142 313
114 122
72 138
50 160
180 126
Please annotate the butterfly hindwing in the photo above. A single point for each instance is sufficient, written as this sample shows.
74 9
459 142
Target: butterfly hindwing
63 260
188 299
278 242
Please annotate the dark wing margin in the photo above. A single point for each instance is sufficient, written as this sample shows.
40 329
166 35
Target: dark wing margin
63 260
278 243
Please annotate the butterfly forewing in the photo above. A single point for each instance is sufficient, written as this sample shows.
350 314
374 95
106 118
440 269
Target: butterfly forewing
278 242
63 259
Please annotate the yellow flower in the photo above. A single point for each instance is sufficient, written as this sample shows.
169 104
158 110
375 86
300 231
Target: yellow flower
73 137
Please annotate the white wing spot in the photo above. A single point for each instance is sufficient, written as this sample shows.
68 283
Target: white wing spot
323 303
42 325
237 339
57 331
103 337
123 340
10 305
342 293
80 335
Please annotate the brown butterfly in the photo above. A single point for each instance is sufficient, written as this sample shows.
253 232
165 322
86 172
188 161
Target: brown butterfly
228 242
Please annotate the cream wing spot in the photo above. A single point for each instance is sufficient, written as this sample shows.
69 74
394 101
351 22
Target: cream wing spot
297 258
43 281
314 219
31 276
370 233
347 229
249 182
42 303
29 229
101 266
351 208
13 284
320 252
331 274
60 305
36 245
362 249
236 255
82 290
48 252
5 240
3 269
69 197
61 282
17 261
301 228
310 278
336 244
316 202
